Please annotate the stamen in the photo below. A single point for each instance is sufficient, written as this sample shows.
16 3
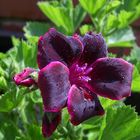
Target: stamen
79 74
88 70
85 78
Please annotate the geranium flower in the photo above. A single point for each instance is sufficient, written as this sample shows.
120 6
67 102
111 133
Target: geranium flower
74 70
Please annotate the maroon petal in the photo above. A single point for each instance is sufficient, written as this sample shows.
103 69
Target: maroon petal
54 84
50 123
82 104
94 48
111 77
24 78
54 46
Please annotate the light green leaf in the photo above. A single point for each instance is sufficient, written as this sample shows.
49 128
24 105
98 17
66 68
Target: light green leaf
3 83
18 48
26 52
92 6
112 5
36 96
136 80
121 38
112 55
106 103
135 53
124 18
137 11
64 15
92 135
1 135
29 51
10 100
120 124
111 24
59 15
85 28
36 28
128 5
79 15
2 55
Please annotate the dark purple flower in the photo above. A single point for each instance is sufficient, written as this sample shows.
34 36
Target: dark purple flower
73 71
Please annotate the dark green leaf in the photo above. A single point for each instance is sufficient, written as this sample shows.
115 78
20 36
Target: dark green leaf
10 100
35 132
9 132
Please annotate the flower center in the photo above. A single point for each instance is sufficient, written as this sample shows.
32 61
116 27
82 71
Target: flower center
79 74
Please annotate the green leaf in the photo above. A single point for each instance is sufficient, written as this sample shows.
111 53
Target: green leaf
111 24
3 83
85 28
64 15
138 65
9 101
106 103
92 6
18 48
1 135
92 135
79 15
120 124
112 5
2 72
121 38
137 12
36 96
9 132
124 18
29 51
135 54
59 15
112 55
128 5
35 132
26 52
2 55
36 28
135 80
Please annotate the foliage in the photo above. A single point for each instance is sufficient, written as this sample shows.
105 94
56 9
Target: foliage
114 127
135 59
63 14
